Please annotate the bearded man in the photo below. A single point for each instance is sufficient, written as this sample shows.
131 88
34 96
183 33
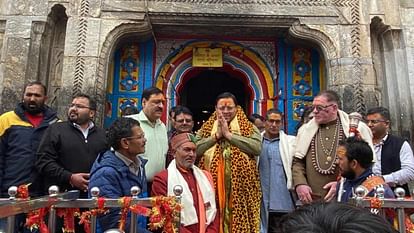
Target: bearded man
20 134
228 144
68 149
355 165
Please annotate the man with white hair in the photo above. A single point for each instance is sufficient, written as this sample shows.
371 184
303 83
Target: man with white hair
314 170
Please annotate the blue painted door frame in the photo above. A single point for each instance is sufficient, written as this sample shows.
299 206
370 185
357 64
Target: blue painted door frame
299 79
132 71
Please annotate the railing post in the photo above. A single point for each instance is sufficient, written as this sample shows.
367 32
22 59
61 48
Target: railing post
400 193
380 192
95 194
360 194
51 224
178 190
135 190
12 191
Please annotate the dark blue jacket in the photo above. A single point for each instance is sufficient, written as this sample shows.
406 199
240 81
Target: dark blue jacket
19 141
351 185
114 180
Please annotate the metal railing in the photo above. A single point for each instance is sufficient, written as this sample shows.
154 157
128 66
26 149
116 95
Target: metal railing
9 207
400 204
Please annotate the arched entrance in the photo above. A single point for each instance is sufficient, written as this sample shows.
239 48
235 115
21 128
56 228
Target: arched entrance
287 82
202 87
240 63
290 87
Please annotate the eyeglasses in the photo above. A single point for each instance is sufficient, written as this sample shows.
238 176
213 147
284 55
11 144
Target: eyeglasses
77 106
135 137
184 120
274 121
321 107
374 121
229 108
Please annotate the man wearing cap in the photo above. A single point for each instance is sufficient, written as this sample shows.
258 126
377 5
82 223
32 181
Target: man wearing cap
199 213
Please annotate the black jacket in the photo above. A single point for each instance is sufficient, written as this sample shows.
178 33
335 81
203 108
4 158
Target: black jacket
64 150
19 141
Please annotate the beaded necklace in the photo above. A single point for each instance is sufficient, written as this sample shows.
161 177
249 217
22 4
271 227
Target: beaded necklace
338 135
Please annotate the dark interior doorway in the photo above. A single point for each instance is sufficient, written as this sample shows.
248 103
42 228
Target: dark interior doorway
200 91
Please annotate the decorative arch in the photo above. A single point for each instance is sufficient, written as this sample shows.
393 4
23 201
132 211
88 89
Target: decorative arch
109 46
236 57
328 48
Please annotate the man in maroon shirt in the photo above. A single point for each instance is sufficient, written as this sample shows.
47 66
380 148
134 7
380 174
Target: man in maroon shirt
199 213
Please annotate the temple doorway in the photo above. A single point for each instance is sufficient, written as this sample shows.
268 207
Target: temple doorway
203 86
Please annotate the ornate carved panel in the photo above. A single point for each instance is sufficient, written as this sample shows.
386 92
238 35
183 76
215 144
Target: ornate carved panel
258 2
80 46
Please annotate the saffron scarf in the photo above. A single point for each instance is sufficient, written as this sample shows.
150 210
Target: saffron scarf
239 204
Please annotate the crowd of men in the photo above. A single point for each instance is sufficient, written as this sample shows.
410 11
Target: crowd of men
238 173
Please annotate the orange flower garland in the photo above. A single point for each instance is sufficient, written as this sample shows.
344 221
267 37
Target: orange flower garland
35 220
68 215
164 214
85 218
125 203
23 191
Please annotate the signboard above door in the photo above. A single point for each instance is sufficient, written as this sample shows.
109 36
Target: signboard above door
207 57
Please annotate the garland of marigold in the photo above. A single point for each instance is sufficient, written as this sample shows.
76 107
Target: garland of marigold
35 218
68 215
376 203
85 218
164 214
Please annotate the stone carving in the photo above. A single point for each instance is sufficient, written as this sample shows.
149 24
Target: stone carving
257 2
111 41
328 47
304 32
80 47
359 99
52 54
35 53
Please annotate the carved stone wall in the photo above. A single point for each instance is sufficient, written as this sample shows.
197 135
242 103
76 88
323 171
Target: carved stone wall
2 30
53 45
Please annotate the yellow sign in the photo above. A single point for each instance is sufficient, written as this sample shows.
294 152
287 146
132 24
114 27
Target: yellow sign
207 57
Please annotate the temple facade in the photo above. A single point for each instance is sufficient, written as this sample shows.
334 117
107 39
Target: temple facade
269 53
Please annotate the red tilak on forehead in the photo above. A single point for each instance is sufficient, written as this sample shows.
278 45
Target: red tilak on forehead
225 102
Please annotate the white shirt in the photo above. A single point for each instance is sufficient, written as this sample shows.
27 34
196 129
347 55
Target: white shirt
402 176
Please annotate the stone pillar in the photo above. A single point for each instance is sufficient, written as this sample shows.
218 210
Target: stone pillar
32 71
14 59
2 30
397 84
407 15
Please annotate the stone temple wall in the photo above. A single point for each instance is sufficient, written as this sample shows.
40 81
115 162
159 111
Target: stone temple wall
368 45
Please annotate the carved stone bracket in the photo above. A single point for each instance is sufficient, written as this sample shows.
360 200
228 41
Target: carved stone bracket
328 47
